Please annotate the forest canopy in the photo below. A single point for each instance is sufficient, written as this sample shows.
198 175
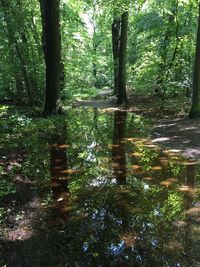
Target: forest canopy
157 57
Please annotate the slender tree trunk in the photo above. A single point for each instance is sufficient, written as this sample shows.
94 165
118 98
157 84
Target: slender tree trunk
42 11
164 66
195 109
122 96
25 74
52 57
115 47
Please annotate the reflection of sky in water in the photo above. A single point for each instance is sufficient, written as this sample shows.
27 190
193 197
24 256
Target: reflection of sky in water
146 187
117 249
127 220
85 247
133 219
102 180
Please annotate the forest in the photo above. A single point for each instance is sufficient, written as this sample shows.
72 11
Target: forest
99 133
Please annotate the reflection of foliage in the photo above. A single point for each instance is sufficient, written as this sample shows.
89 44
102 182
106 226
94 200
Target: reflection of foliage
6 188
148 156
138 124
110 222
3 214
111 212
173 206
175 168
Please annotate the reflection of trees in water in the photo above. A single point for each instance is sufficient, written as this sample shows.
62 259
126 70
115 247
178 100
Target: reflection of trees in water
60 176
119 146
192 217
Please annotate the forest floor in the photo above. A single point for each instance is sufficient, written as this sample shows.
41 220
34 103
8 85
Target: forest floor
170 124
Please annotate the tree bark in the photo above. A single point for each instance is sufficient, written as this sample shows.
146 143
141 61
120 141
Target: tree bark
52 56
122 95
115 47
195 108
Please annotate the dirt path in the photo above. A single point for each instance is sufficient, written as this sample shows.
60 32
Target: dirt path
180 134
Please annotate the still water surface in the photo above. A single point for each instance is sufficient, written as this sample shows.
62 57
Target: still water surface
116 199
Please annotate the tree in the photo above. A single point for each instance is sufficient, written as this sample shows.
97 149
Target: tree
122 95
52 54
119 49
22 52
115 49
195 108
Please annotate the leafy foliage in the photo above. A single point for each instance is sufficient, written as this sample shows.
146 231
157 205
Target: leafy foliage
161 47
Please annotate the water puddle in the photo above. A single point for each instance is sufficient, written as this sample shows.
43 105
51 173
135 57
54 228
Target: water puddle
117 199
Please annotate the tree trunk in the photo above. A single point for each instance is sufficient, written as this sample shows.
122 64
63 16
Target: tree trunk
42 11
195 109
122 96
115 47
52 56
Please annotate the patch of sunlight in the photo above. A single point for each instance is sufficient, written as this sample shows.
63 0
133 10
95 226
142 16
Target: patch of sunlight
136 140
172 151
161 139
163 161
150 145
111 146
174 157
60 199
168 182
63 146
184 188
156 168
135 167
137 172
188 163
115 165
193 211
108 110
136 154
3 109
148 178
70 171
181 223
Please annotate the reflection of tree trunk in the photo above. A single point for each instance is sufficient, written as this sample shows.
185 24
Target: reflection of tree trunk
59 172
119 147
